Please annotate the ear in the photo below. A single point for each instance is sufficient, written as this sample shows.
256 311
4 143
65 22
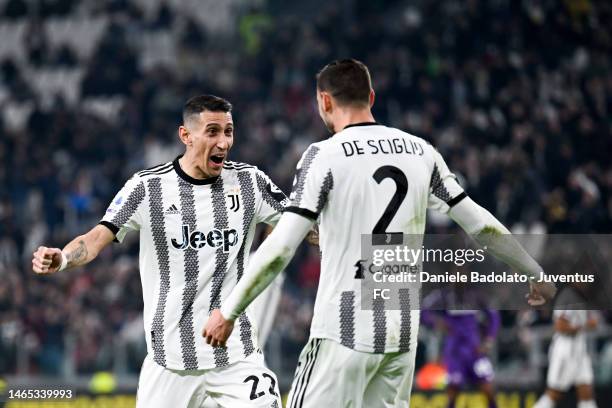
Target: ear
372 97
326 101
184 135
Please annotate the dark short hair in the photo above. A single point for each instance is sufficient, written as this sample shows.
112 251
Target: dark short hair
347 80
201 103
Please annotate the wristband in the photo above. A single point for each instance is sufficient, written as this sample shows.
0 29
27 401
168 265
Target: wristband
64 263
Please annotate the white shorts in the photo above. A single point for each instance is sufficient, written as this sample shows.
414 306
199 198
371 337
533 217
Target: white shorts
569 365
248 383
331 375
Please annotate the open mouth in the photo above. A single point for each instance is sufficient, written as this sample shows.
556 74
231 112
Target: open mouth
217 158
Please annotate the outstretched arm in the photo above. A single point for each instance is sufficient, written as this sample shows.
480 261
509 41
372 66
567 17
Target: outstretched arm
489 232
80 251
269 259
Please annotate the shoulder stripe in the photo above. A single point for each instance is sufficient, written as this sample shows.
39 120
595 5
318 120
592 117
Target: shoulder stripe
237 166
159 173
234 163
155 169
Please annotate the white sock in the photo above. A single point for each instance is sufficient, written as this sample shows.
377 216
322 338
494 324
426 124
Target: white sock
545 402
587 404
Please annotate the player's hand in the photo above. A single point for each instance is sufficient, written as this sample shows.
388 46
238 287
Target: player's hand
540 293
46 260
217 329
313 236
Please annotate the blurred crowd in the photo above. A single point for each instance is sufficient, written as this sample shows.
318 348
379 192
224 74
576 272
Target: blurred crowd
516 95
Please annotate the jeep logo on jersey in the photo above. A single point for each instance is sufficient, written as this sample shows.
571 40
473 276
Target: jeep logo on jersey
214 238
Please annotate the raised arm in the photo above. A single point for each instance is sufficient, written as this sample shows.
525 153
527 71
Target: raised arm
121 216
80 251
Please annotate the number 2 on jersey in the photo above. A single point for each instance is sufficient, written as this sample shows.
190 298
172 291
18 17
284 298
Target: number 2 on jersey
401 183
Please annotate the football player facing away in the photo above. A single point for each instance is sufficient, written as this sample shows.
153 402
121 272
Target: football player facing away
356 357
196 218
569 361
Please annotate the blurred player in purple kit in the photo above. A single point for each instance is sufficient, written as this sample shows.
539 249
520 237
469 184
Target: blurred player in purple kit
468 341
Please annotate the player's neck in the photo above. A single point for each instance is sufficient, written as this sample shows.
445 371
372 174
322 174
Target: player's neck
352 117
190 167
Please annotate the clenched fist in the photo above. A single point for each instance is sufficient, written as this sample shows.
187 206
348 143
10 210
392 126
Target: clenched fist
47 260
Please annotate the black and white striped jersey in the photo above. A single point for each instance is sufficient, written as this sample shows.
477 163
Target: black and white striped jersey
367 179
195 238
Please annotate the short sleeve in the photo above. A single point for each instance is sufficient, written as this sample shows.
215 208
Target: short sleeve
444 190
124 212
312 184
272 199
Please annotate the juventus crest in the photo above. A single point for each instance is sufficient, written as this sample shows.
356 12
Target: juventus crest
234 198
